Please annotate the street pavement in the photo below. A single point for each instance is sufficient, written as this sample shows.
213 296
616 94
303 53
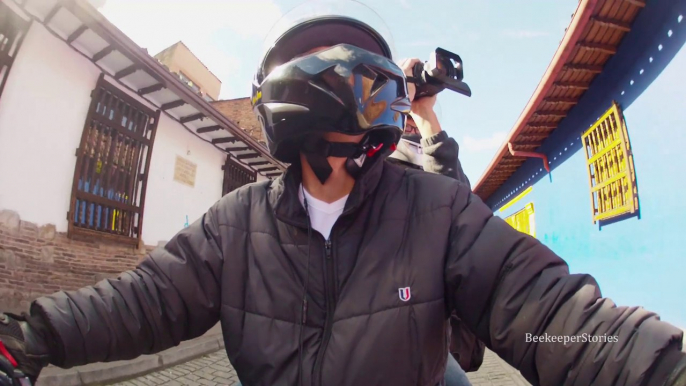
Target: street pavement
215 370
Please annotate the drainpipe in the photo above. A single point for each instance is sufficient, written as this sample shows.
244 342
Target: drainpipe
574 33
529 154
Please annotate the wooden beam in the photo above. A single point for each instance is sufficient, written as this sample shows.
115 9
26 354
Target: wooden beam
269 169
511 159
577 85
638 3
208 129
52 13
517 161
533 137
551 113
258 163
526 143
572 101
242 148
604 48
612 23
540 127
248 156
224 140
173 105
126 72
191 118
102 53
75 35
151 89
584 67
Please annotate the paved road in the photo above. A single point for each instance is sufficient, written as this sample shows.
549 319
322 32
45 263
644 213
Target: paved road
215 370
496 372
209 370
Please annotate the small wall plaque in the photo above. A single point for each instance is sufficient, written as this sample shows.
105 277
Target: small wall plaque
184 171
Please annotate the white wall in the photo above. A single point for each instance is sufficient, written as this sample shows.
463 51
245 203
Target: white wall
168 202
42 112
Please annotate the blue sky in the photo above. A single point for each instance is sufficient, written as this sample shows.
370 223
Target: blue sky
506 46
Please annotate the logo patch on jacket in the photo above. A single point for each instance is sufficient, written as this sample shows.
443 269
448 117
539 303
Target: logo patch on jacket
404 293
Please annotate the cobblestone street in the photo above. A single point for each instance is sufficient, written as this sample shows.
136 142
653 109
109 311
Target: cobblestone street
209 370
495 372
215 370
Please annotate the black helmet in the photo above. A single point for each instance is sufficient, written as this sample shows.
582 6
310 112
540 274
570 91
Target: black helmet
353 87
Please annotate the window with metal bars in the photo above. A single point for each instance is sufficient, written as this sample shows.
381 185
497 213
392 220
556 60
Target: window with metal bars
112 165
610 167
12 31
524 220
236 176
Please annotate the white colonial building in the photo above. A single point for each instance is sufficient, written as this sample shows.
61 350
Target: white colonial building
104 153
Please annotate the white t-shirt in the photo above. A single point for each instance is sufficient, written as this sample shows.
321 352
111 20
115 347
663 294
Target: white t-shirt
322 214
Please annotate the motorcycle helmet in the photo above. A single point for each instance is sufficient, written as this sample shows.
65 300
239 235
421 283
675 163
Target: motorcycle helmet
325 68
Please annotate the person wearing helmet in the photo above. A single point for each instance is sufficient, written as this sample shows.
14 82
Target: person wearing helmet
344 270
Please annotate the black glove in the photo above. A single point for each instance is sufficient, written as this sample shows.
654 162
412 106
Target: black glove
24 344
11 377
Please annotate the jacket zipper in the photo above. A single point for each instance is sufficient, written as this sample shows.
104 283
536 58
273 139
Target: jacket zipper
329 289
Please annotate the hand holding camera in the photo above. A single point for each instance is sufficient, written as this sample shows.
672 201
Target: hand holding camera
443 70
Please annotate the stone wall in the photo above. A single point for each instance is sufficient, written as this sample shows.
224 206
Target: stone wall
37 260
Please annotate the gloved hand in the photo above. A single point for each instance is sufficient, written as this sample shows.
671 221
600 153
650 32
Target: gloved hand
9 376
24 346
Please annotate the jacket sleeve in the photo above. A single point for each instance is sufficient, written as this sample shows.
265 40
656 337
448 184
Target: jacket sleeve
520 299
441 156
173 295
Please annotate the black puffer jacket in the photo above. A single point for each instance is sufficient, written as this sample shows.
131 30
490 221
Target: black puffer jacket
440 154
244 263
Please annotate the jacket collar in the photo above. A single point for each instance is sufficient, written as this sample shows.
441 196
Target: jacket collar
283 194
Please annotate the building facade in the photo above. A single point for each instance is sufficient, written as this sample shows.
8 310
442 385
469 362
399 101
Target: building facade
593 167
104 153
179 59
240 110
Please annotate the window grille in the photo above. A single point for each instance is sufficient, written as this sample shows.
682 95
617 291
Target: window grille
12 31
113 161
236 176
610 167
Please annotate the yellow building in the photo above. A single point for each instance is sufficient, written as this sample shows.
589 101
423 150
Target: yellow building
181 61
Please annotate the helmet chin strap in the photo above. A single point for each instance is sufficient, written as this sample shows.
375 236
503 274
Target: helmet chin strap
316 150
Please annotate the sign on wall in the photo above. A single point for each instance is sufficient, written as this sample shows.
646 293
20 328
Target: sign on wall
184 171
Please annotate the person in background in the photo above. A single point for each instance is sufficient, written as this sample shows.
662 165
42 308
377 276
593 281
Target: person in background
426 146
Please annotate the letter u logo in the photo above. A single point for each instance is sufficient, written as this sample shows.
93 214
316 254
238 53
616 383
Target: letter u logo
404 293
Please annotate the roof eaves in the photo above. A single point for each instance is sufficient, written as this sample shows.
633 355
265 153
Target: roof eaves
574 32
97 21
